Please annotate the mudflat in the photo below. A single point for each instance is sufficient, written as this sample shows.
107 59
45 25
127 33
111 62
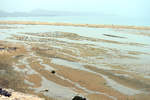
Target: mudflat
99 62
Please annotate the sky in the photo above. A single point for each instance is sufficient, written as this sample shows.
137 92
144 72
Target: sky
128 8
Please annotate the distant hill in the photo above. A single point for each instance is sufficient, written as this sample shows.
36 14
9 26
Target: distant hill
2 13
37 13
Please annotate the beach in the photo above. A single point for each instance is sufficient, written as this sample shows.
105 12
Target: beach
98 62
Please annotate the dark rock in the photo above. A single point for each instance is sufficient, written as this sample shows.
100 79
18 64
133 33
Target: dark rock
12 48
4 93
46 90
78 98
53 72
2 48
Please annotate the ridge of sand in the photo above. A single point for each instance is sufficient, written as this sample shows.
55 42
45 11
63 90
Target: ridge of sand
76 25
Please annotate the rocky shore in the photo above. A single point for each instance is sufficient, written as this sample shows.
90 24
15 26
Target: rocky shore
13 95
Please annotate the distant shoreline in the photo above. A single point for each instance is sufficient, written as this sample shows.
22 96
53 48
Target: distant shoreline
76 25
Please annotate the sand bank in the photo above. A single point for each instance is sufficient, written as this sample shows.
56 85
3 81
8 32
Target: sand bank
77 25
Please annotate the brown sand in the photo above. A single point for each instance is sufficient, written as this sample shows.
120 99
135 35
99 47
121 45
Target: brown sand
78 25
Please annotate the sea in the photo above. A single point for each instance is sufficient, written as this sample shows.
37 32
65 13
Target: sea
85 19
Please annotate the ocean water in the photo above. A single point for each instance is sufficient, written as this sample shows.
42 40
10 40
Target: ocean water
89 19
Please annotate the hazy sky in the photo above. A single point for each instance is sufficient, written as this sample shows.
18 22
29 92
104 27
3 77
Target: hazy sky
138 8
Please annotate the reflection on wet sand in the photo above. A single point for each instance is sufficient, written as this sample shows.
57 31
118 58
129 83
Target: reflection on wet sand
113 36
107 66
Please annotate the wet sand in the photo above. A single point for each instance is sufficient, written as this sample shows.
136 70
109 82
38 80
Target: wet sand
76 25
113 65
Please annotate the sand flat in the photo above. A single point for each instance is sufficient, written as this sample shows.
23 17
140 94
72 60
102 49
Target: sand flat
113 66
